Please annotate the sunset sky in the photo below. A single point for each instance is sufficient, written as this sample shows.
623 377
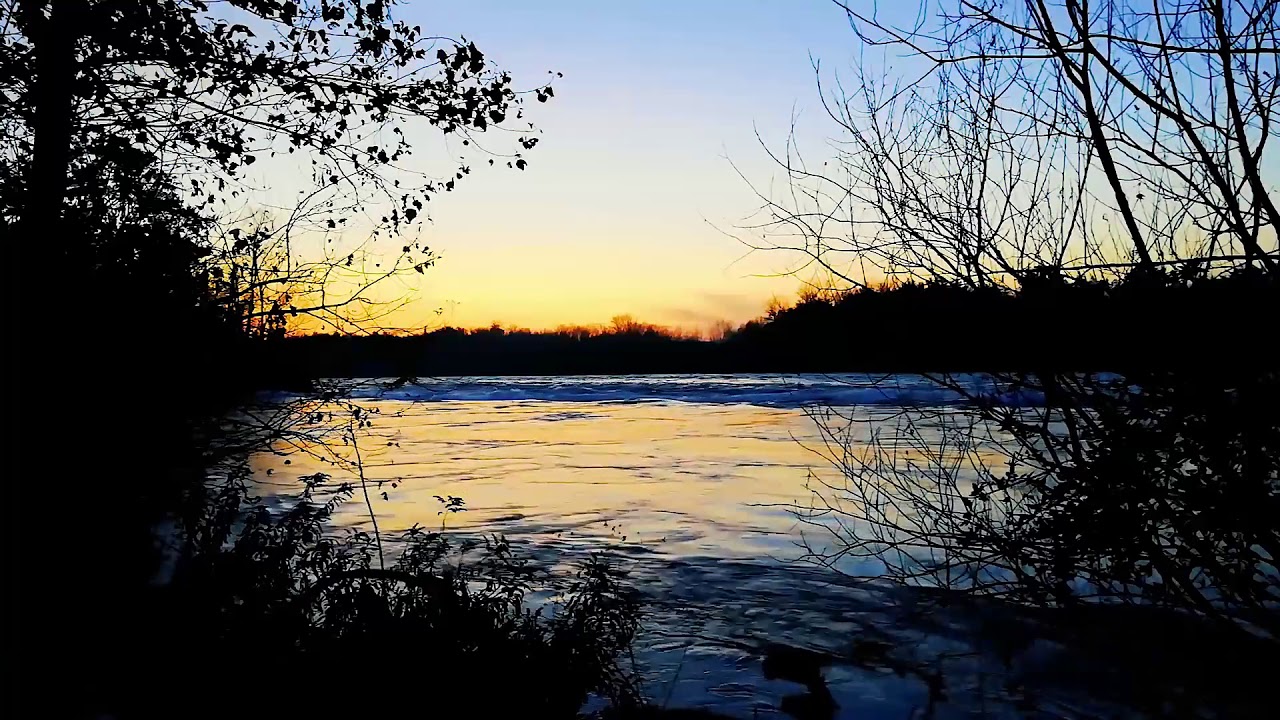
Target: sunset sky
625 205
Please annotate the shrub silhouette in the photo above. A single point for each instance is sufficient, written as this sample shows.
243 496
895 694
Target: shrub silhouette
449 625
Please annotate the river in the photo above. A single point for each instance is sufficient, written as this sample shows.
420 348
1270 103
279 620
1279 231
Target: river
693 483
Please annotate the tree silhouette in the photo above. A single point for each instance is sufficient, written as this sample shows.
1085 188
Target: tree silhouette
148 270
1070 159
213 87
207 91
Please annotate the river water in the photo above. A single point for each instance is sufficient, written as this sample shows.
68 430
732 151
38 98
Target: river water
693 484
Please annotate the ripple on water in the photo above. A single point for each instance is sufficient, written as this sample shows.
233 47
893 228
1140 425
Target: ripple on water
692 498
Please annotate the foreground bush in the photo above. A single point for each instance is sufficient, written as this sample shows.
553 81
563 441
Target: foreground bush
446 628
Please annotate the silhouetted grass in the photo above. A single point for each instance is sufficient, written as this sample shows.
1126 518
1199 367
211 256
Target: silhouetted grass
448 627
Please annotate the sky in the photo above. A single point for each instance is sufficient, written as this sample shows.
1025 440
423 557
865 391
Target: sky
630 201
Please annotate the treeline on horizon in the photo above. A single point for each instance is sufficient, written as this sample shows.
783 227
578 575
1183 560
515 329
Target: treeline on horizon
1174 318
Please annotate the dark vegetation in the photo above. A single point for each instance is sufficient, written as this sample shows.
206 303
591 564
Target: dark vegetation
907 327
442 618
1109 162
147 287
1059 197
934 326
496 351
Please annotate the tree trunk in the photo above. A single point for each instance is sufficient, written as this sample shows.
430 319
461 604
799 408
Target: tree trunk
55 39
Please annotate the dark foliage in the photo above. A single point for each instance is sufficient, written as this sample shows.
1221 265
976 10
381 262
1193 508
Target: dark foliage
217 88
447 625
1134 323
453 351
1150 490
129 131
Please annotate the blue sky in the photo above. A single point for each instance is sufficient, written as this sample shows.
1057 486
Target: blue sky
625 202
630 201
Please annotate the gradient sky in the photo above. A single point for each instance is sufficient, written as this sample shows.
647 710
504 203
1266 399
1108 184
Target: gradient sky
624 203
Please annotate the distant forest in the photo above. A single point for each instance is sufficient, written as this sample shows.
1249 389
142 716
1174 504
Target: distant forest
1145 320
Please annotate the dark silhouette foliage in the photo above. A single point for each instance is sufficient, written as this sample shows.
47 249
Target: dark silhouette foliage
1134 322
217 88
147 588
1114 235
909 327
455 351
278 588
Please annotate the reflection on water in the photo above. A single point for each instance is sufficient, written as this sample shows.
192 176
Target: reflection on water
676 479
696 497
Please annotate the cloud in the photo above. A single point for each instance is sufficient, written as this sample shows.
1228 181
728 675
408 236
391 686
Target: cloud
712 307
734 306
685 316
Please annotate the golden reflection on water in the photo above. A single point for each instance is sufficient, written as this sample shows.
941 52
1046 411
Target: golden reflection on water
675 478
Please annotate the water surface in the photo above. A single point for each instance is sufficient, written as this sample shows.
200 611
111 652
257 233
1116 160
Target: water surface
692 482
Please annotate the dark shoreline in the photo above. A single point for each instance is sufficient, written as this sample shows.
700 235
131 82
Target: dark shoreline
323 356
1129 327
